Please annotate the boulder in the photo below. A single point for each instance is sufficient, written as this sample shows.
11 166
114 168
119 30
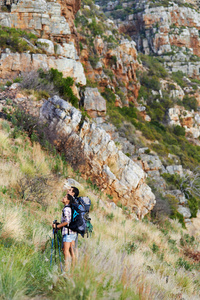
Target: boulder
175 169
47 45
94 103
185 211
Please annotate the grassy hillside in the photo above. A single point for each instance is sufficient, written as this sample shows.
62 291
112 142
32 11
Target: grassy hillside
124 258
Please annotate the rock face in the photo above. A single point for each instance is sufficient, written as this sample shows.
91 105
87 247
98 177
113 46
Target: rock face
47 19
12 64
165 27
170 31
94 103
120 65
190 120
53 23
109 167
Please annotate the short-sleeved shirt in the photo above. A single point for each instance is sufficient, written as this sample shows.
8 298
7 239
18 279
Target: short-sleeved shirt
66 217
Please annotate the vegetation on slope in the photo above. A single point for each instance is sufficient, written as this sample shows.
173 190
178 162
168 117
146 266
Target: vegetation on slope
131 257
137 260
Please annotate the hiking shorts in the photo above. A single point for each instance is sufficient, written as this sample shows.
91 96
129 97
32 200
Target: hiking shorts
69 237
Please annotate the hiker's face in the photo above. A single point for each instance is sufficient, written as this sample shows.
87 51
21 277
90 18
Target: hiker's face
65 200
71 192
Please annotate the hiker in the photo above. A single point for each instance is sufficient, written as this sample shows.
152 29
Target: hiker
68 235
74 192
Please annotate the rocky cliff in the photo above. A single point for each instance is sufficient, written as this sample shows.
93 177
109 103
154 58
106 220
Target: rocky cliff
53 24
164 28
114 172
96 50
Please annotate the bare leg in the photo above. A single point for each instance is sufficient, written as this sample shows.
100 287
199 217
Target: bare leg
72 252
67 255
76 248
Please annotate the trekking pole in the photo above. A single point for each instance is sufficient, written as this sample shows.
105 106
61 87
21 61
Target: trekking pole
52 248
55 243
59 252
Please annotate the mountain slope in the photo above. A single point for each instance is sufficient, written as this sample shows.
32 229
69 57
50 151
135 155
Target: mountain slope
122 258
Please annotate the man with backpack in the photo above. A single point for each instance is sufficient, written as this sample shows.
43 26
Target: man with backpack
84 204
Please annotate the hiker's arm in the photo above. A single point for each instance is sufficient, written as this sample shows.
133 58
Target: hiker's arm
60 225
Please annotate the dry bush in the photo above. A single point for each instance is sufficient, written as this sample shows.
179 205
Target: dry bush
31 80
36 188
72 149
195 255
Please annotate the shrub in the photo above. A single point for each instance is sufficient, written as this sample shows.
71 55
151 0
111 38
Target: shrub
109 95
110 216
14 40
154 65
130 247
190 103
178 130
193 205
94 60
155 248
178 78
96 28
32 81
181 263
150 82
35 189
62 85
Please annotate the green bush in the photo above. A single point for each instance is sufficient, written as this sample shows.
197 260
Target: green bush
109 95
178 130
13 39
94 60
154 65
190 103
181 263
155 248
193 205
96 28
178 78
63 85
151 82
130 247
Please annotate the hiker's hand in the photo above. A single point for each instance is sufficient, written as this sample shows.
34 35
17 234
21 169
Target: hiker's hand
54 225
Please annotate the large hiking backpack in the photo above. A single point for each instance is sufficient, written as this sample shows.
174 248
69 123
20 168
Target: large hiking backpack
80 220
86 203
77 222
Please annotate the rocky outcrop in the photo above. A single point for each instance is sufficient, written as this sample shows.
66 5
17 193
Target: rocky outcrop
94 103
190 120
164 27
13 64
114 66
46 19
53 23
105 164
163 30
